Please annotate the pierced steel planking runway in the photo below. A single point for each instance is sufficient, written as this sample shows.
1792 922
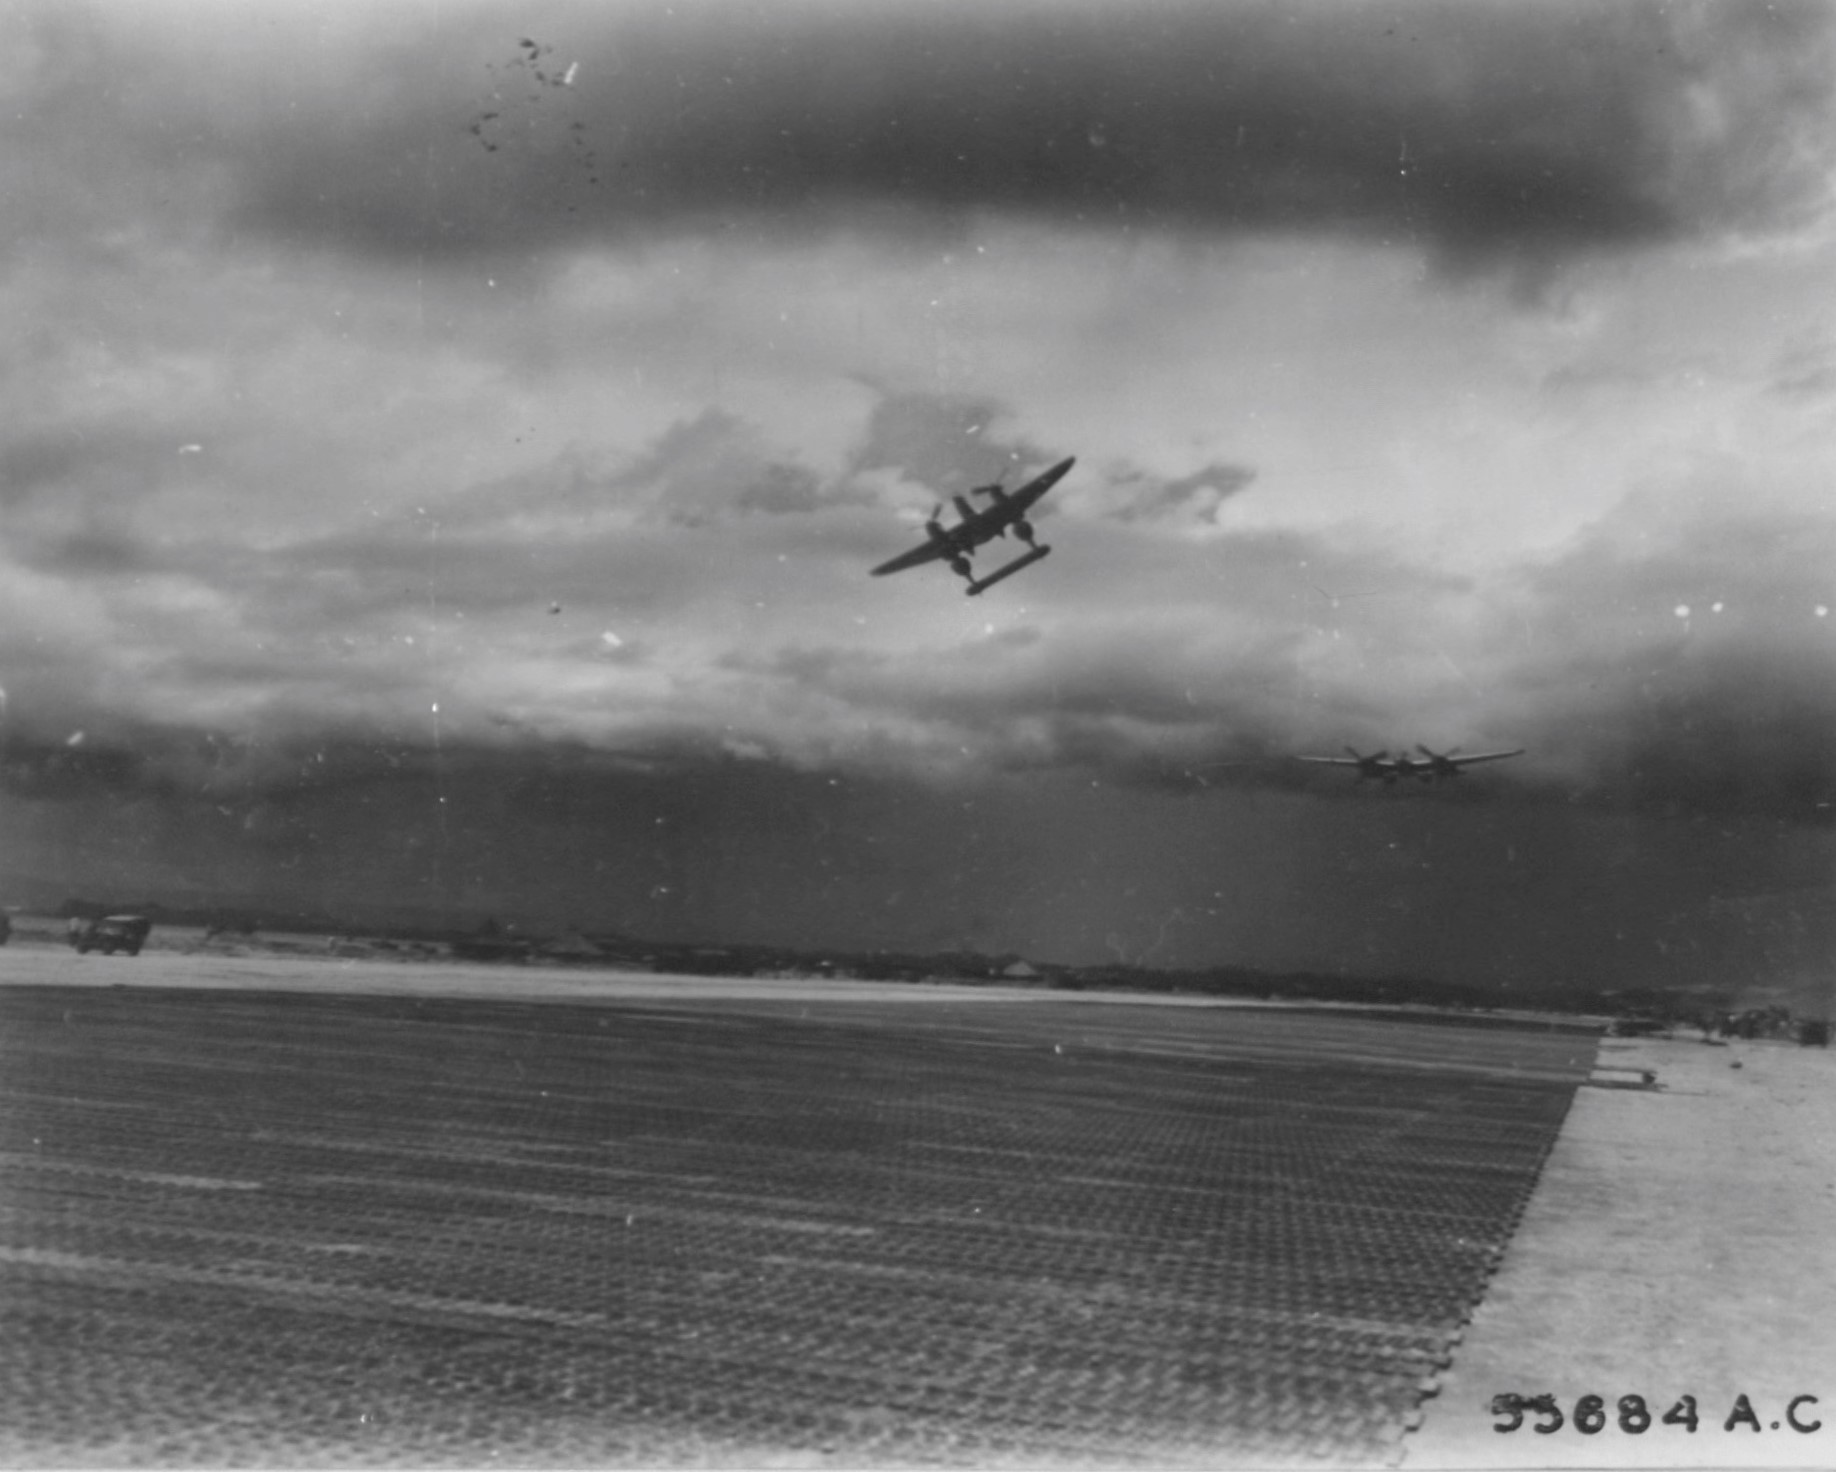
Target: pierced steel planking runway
264 1227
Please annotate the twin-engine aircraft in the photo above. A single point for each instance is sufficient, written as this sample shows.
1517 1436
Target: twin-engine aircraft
956 544
1383 767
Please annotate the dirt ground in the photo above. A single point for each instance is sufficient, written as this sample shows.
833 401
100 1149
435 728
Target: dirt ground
1678 1246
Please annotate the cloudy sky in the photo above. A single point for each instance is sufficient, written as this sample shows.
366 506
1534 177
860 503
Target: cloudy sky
444 444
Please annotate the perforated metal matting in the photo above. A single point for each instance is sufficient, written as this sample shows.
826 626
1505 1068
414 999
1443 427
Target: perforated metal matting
261 1228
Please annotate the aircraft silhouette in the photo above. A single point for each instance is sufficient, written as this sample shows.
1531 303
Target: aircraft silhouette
956 544
1381 766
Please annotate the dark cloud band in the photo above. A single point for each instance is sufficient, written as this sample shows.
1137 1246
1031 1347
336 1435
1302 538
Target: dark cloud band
1481 133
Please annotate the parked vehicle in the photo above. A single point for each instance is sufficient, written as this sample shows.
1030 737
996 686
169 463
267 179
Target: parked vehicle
110 933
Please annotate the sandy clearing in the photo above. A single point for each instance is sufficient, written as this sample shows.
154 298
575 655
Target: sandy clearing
1679 1243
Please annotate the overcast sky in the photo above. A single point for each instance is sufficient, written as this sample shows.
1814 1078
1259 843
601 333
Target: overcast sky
444 444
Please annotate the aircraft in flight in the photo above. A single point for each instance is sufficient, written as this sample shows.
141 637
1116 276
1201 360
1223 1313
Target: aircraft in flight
1383 767
956 544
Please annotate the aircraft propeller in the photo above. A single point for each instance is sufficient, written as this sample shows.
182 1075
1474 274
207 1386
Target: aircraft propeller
1442 762
1370 766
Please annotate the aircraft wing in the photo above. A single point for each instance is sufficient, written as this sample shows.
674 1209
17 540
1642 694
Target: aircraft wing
1484 756
917 557
977 527
1038 486
1331 761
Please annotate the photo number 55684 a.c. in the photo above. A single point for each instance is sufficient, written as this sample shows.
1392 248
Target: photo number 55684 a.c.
1632 1414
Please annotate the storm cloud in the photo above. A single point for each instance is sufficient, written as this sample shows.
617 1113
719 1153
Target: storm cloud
446 448
1692 677
1502 134
1682 661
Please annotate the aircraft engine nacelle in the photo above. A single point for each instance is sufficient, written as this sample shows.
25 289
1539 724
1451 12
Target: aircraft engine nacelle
1023 529
960 566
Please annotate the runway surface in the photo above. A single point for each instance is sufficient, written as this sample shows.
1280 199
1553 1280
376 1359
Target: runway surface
309 1221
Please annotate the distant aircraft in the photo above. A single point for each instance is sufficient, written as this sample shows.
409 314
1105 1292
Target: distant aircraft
1384 767
956 544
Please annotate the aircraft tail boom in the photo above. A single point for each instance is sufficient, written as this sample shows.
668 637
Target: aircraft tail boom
983 584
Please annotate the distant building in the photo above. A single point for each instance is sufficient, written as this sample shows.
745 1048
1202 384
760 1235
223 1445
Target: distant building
571 946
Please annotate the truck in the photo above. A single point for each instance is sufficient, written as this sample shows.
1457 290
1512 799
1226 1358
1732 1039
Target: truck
110 933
